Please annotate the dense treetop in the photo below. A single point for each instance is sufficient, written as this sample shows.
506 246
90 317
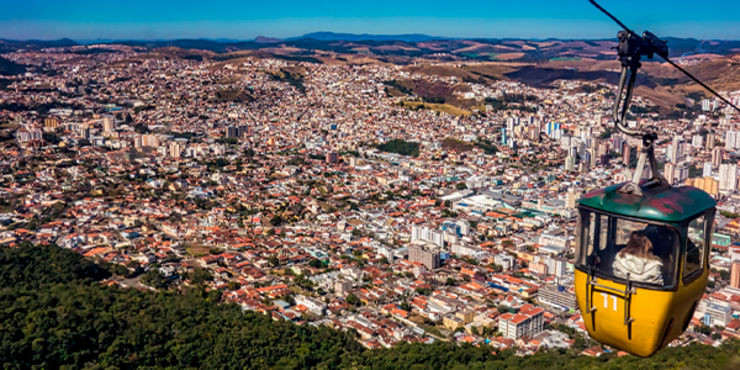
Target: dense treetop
54 313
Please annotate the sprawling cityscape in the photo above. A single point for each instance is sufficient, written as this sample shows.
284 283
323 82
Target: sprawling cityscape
335 194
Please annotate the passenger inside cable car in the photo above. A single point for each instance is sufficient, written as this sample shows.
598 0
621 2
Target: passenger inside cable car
637 262
616 247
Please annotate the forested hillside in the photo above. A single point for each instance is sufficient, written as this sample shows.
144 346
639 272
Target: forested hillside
54 314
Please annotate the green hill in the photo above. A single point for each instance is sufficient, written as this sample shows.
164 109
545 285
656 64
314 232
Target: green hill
54 314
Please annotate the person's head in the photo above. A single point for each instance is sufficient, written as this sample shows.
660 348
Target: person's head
639 245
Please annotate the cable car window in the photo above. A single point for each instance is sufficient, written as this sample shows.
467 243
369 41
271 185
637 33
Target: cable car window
616 248
695 246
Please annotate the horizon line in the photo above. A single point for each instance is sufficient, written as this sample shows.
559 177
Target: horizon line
308 36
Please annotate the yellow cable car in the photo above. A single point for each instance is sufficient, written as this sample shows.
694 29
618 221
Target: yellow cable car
642 261
640 303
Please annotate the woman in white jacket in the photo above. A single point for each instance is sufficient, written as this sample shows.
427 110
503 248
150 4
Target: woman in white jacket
637 260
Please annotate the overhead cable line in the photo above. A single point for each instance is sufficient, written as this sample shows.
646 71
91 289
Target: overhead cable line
665 57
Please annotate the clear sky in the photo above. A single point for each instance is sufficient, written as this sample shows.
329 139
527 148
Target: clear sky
245 19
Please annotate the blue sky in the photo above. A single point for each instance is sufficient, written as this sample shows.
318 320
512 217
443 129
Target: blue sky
244 20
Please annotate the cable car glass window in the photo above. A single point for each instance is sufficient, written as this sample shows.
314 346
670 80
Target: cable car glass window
695 246
616 248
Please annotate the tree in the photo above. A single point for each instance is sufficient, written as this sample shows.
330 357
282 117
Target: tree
276 220
353 300
704 329
59 316
154 279
461 186
200 276
316 263
273 260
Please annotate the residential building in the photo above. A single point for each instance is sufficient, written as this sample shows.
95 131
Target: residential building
735 274
424 255
557 296
528 321
727 178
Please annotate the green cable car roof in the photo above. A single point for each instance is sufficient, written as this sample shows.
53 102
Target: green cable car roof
660 204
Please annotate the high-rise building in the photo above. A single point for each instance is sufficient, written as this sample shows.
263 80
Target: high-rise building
617 144
556 265
682 172
593 156
534 131
598 119
85 132
697 141
707 169
717 154
232 132
426 257
677 149
571 198
565 142
707 183
28 133
669 172
629 155
727 178
175 149
109 123
732 140
51 123
332 158
570 163
709 142
735 274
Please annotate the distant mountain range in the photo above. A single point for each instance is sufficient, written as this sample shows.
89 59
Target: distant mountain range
331 36
410 45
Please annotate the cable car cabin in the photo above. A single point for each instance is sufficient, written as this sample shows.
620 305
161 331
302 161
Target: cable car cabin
641 266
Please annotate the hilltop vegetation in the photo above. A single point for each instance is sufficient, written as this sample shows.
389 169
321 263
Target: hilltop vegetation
54 314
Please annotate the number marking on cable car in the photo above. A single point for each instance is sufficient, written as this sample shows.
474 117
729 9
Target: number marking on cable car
606 300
